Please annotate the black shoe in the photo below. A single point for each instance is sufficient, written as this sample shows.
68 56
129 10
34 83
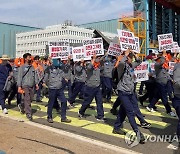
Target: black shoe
81 97
140 94
9 102
104 100
109 101
140 137
119 131
50 120
155 108
66 120
39 101
113 111
141 101
145 125
29 116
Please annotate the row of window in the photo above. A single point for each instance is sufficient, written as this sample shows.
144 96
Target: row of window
45 43
58 33
32 44
33 52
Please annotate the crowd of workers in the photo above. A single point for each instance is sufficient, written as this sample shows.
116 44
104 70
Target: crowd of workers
97 78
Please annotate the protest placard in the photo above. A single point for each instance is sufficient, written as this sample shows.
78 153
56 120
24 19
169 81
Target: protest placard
141 72
137 44
63 43
59 50
114 49
165 42
93 46
176 48
78 54
171 67
127 40
151 65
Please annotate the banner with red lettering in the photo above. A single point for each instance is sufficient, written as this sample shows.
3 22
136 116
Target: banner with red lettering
93 46
127 40
59 50
78 54
141 72
114 49
165 42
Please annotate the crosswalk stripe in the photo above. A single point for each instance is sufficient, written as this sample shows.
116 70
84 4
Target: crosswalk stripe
156 124
86 124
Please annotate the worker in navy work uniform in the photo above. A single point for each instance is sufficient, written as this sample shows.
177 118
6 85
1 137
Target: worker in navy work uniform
27 80
15 68
129 105
79 80
92 89
40 72
5 73
54 76
67 70
107 68
176 99
161 80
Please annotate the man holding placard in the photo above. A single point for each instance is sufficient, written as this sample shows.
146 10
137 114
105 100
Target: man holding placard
129 106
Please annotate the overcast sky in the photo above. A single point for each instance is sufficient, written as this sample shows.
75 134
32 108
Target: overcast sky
42 13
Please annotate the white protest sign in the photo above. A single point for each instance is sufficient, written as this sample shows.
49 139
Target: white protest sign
65 43
93 46
114 49
78 54
127 40
176 47
151 65
165 42
59 50
171 67
141 72
137 44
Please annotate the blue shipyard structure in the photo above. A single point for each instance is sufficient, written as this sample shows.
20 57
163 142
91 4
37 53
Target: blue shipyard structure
8 37
161 16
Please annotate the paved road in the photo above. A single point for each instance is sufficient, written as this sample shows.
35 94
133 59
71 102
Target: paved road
161 124
27 138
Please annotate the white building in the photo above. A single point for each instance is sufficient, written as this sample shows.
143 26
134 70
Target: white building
35 42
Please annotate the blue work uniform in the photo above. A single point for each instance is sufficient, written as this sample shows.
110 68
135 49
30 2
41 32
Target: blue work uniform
92 90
